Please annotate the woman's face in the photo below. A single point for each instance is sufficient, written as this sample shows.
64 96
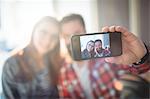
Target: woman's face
45 37
90 46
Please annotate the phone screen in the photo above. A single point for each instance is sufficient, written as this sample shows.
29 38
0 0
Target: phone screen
96 45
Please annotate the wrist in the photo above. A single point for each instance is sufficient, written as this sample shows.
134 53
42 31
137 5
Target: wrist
144 58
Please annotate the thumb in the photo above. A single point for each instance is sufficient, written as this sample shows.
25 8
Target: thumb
110 60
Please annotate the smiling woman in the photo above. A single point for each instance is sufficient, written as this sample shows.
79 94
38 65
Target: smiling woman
32 71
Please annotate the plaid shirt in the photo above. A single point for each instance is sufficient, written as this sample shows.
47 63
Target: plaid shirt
102 75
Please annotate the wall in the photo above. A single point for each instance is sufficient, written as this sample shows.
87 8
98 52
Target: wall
113 12
133 14
145 21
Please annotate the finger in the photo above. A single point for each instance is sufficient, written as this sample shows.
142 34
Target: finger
116 60
112 29
123 30
126 34
105 29
110 60
120 29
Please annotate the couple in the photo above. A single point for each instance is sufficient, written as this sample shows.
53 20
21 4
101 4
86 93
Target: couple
39 72
94 49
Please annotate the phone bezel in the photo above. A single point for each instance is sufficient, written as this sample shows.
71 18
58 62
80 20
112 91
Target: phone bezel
76 50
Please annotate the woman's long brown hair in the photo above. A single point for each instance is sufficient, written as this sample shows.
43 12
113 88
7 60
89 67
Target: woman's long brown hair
52 57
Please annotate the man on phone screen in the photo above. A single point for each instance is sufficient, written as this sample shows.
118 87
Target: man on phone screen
99 51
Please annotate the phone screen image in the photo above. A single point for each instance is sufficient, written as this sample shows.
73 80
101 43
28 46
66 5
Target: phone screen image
96 45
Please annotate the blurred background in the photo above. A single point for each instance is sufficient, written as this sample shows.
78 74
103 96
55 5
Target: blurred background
17 18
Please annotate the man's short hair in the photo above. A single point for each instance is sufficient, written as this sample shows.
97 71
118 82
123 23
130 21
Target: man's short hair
98 40
73 17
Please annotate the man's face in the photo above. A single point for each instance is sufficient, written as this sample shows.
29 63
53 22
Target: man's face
98 45
71 28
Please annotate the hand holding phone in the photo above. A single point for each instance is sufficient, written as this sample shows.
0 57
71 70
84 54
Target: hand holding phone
133 48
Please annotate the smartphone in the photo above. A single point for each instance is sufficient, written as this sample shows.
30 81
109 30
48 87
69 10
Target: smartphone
96 45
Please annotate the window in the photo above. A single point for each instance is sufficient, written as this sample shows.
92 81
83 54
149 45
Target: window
18 18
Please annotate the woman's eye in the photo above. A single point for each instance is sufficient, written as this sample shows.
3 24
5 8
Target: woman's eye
43 32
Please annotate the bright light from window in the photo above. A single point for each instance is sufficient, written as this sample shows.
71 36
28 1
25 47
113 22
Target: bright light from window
19 16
